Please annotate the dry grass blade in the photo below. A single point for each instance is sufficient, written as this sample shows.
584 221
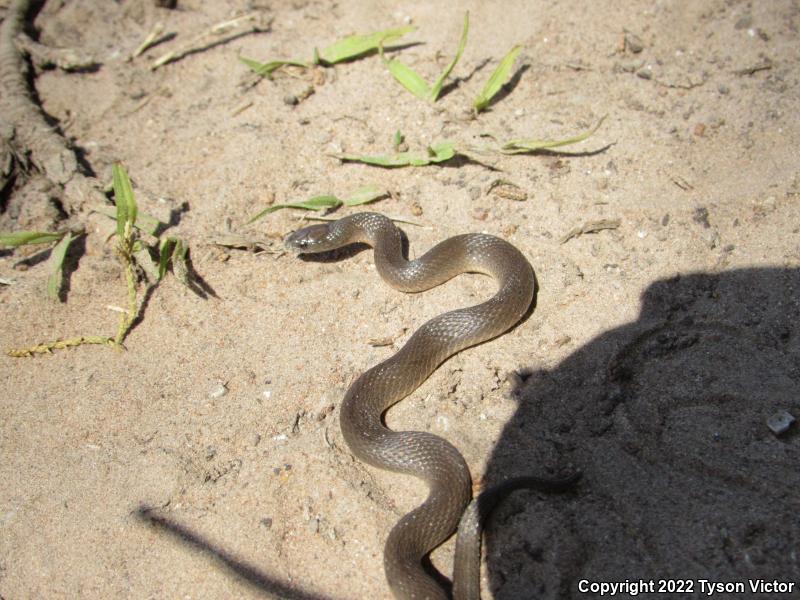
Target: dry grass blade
48 347
249 23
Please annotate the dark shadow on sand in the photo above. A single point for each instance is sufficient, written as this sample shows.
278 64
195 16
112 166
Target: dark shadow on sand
666 417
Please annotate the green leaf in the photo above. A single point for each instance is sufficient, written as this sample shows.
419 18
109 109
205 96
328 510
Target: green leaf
435 153
398 139
364 195
124 199
409 79
24 238
267 69
355 45
56 262
315 203
175 250
180 265
524 146
437 87
165 249
496 80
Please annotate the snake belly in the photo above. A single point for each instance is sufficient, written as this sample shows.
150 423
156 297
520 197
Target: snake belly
423 455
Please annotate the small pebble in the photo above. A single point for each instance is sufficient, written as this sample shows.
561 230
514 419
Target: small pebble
700 216
266 522
699 129
723 89
780 422
480 214
218 392
644 73
313 525
291 100
633 43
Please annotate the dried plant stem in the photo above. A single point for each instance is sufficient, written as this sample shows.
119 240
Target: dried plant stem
48 347
248 23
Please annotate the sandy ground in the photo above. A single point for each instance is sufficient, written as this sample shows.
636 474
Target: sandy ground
655 355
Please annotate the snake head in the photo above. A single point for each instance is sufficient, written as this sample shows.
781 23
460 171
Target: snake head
308 239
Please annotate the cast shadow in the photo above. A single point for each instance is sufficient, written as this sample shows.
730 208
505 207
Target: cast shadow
239 567
666 418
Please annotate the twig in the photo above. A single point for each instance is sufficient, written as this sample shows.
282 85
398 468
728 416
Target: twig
762 66
590 227
204 40
155 37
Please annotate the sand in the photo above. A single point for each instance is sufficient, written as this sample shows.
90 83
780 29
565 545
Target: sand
206 461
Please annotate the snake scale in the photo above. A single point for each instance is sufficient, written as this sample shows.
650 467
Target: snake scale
421 454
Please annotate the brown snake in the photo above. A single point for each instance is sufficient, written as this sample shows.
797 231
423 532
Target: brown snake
421 454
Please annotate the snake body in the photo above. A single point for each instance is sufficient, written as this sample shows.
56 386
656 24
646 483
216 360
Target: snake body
421 454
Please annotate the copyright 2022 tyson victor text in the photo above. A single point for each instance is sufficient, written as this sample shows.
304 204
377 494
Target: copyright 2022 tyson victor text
690 587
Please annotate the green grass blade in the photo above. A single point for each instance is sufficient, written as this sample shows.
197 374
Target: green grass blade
441 152
398 139
165 249
409 79
267 69
364 195
437 87
173 250
124 199
315 203
180 262
24 238
497 79
532 145
56 261
354 46
435 153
